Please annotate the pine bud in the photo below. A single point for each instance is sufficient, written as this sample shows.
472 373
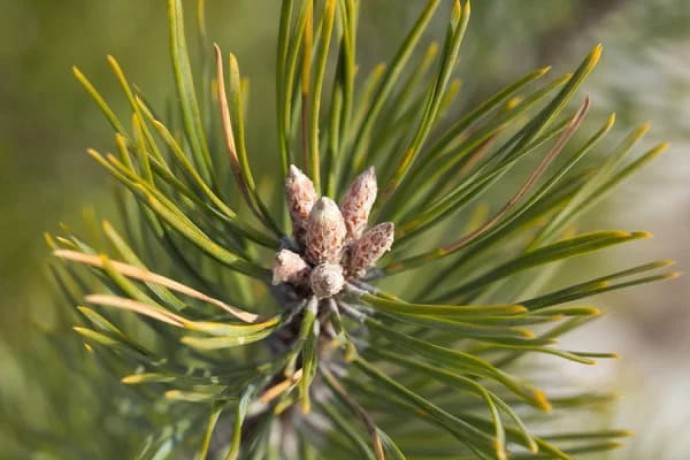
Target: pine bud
358 201
289 267
369 248
326 280
301 196
325 232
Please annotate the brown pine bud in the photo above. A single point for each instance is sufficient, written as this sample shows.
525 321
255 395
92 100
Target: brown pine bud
358 201
326 280
325 232
289 267
301 196
368 249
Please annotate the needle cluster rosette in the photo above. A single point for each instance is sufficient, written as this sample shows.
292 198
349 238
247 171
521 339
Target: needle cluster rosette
333 242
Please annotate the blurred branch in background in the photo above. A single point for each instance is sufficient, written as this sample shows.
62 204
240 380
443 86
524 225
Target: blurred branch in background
589 15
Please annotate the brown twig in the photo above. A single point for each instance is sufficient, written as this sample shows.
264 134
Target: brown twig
308 41
144 275
279 388
493 220
230 137
357 409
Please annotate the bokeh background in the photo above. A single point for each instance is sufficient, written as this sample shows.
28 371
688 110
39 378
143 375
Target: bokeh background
47 121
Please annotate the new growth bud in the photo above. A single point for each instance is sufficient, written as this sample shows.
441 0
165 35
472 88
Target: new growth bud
325 232
289 267
358 201
301 196
369 248
326 280
333 242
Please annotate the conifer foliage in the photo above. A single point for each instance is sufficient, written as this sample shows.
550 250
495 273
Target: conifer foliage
368 297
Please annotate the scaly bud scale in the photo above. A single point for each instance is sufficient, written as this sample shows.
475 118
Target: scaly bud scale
325 232
289 267
301 196
369 248
358 201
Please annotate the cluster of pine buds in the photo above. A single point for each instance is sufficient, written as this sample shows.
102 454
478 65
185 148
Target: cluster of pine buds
333 243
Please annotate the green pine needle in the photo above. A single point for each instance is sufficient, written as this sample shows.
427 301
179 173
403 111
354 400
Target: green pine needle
224 353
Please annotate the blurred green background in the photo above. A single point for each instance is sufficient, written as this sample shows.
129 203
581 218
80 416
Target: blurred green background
47 121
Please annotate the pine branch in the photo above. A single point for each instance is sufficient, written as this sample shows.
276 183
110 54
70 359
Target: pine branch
260 343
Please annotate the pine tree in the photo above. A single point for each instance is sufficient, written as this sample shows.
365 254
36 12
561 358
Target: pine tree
368 296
